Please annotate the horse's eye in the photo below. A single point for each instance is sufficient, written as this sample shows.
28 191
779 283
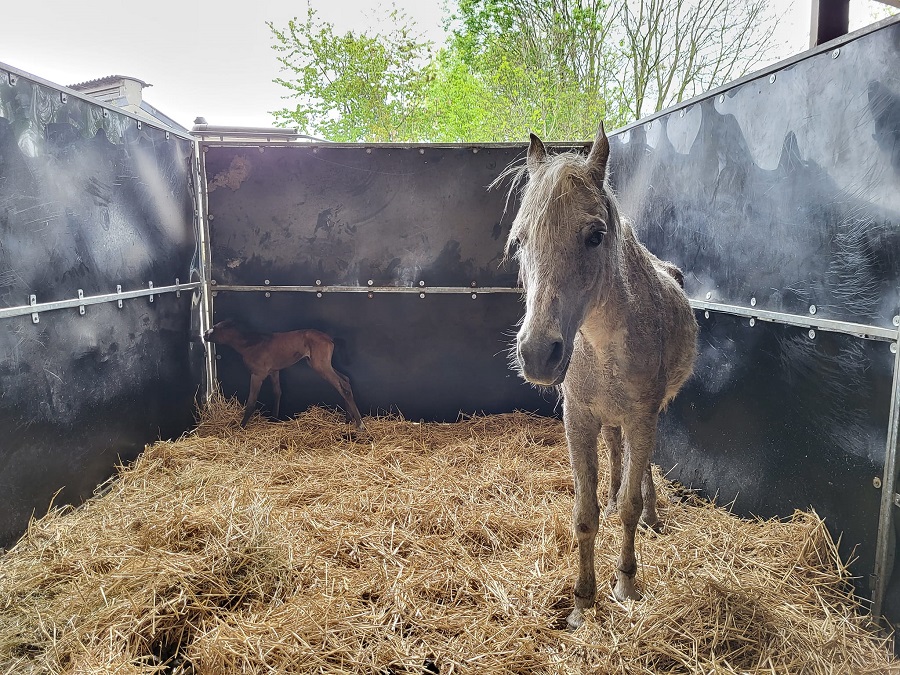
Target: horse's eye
595 239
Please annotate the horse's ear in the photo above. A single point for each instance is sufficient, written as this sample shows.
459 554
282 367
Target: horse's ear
599 154
536 152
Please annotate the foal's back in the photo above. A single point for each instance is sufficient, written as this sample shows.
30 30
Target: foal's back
274 351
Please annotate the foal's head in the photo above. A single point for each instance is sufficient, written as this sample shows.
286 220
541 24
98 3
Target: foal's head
223 332
565 238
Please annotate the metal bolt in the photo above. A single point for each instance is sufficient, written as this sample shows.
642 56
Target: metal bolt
835 53
167 135
318 282
105 113
681 114
474 151
421 283
474 295
368 151
211 216
139 125
215 293
893 348
370 282
708 295
473 284
262 150
896 320
752 322
812 309
212 282
876 482
315 151
371 295
649 125
63 97
421 295
896 499
812 334
218 357
268 295
706 314
772 77
722 98
266 282
12 80
421 151
753 302
318 295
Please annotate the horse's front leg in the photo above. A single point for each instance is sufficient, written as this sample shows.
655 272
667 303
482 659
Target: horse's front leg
640 438
255 383
582 429
612 439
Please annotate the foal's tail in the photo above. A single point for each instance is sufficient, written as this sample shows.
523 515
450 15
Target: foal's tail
341 356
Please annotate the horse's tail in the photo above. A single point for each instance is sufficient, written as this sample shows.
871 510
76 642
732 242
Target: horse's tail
341 354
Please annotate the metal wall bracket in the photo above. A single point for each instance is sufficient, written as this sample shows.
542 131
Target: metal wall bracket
81 306
32 300
119 290
150 285
177 287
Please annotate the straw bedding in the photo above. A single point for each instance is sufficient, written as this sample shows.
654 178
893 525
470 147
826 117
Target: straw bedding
430 548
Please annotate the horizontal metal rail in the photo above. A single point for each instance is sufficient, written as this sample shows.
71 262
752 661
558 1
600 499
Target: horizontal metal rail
36 308
446 290
810 321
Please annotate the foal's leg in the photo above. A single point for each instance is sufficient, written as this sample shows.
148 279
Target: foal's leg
582 429
612 438
648 493
639 440
255 383
275 376
320 361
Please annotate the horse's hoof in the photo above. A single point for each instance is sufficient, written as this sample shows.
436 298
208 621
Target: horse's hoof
655 525
625 590
575 619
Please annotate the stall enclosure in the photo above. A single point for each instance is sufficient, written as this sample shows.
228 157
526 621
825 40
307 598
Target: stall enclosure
778 197
99 292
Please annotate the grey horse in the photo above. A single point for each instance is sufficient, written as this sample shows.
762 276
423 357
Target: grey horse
610 325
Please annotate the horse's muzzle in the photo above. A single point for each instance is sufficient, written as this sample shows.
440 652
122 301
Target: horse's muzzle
544 360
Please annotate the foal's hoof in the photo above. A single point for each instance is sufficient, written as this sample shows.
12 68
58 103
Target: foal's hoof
655 525
575 619
625 589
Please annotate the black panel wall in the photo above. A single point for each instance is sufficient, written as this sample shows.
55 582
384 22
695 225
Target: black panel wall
90 199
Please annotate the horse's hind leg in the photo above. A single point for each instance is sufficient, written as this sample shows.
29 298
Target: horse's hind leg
347 393
648 494
582 429
255 383
612 438
639 440
275 376
321 363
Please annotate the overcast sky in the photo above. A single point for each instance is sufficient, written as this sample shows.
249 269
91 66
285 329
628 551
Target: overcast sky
215 59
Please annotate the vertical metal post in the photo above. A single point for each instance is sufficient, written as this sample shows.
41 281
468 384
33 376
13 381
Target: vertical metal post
886 541
829 19
206 299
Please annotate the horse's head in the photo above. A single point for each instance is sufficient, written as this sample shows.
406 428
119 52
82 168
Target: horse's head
565 238
221 332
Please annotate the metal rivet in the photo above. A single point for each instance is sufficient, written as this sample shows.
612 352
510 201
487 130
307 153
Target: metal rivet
753 302
708 295
473 284
370 282
139 125
318 282
421 283
368 151
812 334
812 309
896 320
218 357
212 282
268 295
835 53
262 150
215 293
706 314
893 348
266 282
421 151
167 135
474 151
876 482
722 98
63 97
474 295
421 295
752 322
315 151
772 77
681 114
105 112
371 295
318 295
210 217
13 78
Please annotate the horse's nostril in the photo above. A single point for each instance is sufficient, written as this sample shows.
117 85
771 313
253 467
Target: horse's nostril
556 353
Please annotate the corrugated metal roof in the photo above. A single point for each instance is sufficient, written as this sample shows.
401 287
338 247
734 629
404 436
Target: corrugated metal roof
109 79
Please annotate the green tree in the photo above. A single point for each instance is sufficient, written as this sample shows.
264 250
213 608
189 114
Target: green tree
353 87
